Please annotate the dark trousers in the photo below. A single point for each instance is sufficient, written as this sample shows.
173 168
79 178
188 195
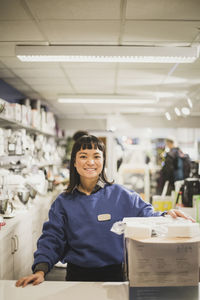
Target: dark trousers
107 273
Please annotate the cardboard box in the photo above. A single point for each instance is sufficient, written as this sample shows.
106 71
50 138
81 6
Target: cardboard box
162 262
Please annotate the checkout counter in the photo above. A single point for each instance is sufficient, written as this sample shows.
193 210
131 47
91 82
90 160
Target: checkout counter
62 290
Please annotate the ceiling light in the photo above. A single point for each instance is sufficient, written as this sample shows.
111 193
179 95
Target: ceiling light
177 111
105 101
189 101
168 116
185 111
107 54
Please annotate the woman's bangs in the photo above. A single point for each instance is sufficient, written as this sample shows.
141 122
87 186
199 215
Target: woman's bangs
90 142
89 145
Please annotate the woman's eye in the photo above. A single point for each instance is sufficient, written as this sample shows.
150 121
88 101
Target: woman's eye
82 156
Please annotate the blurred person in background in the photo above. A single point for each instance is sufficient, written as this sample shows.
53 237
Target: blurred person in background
176 165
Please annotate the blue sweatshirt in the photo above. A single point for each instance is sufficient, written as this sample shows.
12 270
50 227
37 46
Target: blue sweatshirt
74 234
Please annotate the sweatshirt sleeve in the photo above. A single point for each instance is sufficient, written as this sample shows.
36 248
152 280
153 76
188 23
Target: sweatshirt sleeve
52 244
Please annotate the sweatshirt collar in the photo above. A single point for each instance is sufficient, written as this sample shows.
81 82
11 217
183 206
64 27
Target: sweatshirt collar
100 185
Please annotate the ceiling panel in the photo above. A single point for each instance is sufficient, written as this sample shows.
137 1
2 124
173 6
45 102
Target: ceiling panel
139 81
163 10
12 10
65 88
79 9
46 80
144 74
89 65
160 31
19 31
7 49
69 108
100 89
4 73
39 72
81 31
91 75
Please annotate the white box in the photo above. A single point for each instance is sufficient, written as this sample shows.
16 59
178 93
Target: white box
141 231
183 230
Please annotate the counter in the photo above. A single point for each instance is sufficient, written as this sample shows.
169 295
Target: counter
62 290
51 290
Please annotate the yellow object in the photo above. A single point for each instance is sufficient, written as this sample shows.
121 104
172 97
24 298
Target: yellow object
162 203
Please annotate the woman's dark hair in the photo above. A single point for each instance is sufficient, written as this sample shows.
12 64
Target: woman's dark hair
79 134
85 142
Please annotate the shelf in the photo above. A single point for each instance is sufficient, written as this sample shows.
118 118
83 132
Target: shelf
7 159
4 122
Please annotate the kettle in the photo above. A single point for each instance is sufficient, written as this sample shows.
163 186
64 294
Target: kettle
190 187
6 207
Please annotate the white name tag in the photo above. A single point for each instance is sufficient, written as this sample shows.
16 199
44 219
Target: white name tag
104 217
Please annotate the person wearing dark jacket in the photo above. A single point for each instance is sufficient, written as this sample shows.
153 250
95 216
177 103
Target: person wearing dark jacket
173 168
78 230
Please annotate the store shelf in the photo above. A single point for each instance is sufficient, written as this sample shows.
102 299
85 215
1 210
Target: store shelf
4 122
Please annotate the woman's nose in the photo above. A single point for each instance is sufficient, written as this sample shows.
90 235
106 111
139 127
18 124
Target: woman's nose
90 161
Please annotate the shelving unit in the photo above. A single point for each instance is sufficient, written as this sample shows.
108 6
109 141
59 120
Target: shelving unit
18 241
7 123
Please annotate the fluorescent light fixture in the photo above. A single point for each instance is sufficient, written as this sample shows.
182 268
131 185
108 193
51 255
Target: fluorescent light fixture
177 111
185 111
108 53
189 101
106 101
168 116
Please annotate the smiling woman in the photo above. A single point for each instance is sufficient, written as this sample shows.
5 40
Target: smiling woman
78 230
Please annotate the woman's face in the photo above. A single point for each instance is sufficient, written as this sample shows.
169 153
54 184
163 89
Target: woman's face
89 163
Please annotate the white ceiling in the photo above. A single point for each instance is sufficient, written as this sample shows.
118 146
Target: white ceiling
102 22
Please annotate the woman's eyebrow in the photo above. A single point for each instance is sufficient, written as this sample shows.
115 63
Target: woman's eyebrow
87 153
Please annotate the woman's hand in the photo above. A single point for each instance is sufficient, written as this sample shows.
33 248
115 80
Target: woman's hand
36 278
174 213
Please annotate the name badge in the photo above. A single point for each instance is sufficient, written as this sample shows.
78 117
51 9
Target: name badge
104 217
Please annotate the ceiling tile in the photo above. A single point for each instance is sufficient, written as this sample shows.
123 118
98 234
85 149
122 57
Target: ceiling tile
91 74
81 31
19 31
58 88
40 72
79 9
163 10
2 66
46 80
13 81
7 49
90 66
12 10
5 73
143 74
160 31
91 89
